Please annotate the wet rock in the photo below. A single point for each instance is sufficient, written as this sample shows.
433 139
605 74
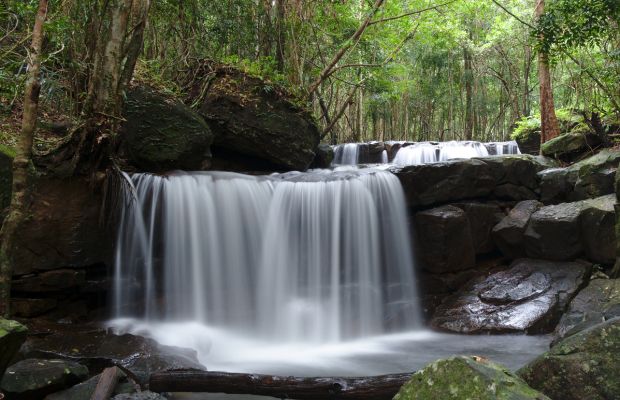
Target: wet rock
324 156
62 228
35 378
554 232
482 218
508 191
582 366
146 395
598 302
370 153
518 170
444 239
85 390
465 377
161 133
554 185
570 145
98 350
530 296
256 118
598 220
12 335
445 182
508 235
51 281
28 308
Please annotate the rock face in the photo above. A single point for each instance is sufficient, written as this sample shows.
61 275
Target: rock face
35 378
598 302
530 296
511 177
582 366
466 378
12 335
161 133
508 235
99 350
324 156
444 238
251 117
568 230
567 145
482 218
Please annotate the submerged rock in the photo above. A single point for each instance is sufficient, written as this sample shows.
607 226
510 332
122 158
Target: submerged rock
255 118
508 235
464 377
161 133
12 335
98 350
582 366
530 297
35 378
444 239
598 302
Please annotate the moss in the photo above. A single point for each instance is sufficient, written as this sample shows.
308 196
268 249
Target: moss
8 151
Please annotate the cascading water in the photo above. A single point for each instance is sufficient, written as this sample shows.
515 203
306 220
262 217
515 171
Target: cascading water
346 154
427 152
298 257
501 148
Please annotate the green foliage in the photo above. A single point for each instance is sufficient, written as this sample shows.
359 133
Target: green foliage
526 127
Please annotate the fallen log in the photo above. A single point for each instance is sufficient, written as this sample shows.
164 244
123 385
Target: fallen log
282 387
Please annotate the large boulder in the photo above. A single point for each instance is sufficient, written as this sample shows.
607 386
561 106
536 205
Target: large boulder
598 302
444 239
509 233
482 217
99 349
571 144
582 366
463 377
161 133
254 118
12 335
529 296
33 379
598 220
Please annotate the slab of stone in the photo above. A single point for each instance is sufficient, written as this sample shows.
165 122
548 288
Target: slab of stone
508 235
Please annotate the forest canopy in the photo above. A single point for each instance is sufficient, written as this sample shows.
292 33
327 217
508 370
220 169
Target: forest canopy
418 70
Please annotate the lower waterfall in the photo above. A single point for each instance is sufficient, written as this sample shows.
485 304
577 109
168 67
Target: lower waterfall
314 257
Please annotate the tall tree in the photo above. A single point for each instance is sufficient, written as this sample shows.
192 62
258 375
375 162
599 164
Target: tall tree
21 162
549 122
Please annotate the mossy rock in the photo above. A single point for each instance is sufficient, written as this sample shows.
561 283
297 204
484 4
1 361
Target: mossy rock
571 144
161 133
12 335
582 366
462 377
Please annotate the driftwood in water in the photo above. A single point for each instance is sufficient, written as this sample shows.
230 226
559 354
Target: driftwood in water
107 383
282 387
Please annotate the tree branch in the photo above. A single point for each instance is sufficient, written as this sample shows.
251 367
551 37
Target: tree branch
410 13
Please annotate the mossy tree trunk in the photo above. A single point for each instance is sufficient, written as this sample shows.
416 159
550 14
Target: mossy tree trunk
21 162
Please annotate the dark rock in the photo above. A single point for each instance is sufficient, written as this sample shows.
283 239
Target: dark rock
530 296
570 145
50 281
482 218
518 170
85 390
28 308
12 335
445 182
98 350
324 156
252 117
582 366
554 232
554 185
444 239
509 233
161 133
508 191
598 220
466 377
62 228
146 395
35 378
530 143
596 303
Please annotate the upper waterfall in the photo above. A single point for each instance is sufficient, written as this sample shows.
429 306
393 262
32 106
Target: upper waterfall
320 257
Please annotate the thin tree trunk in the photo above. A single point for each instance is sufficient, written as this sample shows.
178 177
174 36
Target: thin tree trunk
21 162
549 122
280 32
469 105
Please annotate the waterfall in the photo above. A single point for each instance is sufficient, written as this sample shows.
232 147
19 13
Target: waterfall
300 257
346 154
501 148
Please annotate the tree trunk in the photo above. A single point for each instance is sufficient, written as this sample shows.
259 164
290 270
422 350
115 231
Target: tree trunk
469 104
281 34
549 122
21 162
382 387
